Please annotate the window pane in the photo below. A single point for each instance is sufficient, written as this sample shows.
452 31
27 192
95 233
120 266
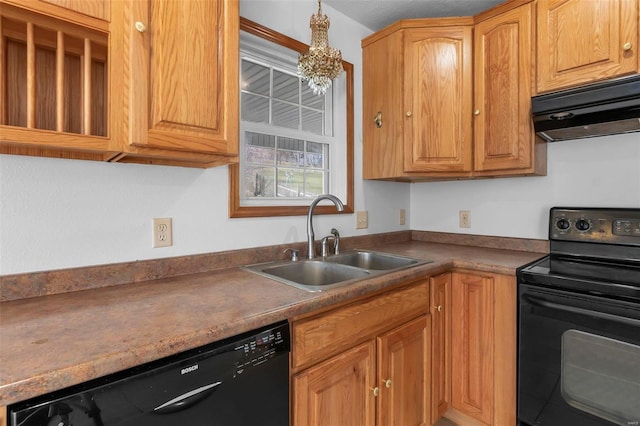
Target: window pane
285 115
310 99
260 149
290 182
316 155
290 152
255 78
258 181
255 108
286 87
315 183
312 121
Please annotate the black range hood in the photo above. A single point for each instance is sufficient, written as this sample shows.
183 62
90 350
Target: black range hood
605 108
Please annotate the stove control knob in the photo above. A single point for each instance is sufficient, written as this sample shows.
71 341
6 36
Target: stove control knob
563 224
582 225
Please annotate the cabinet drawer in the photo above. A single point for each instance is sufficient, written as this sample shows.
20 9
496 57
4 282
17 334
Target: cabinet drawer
332 332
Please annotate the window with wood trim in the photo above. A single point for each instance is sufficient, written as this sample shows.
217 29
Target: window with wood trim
294 145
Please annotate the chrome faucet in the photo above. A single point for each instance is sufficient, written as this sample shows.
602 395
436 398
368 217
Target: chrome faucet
311 251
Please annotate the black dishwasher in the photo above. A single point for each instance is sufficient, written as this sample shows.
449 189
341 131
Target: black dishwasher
240 381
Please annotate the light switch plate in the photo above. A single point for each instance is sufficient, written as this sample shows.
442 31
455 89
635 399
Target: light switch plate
403 216
362 219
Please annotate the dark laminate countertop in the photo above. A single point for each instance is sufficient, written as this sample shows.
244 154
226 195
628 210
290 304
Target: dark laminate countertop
54 341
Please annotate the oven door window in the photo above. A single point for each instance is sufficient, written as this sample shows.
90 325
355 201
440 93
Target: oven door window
600 376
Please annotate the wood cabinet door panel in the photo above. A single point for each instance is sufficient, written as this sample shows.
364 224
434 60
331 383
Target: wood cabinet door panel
582 41
503 132
382 94
437 100
316 338
189 55
403 375
441 345
337 391
472 367
97 8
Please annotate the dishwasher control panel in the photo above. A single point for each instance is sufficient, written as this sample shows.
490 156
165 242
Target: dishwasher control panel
260 348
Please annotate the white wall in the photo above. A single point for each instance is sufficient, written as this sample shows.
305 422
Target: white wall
63 213
596 172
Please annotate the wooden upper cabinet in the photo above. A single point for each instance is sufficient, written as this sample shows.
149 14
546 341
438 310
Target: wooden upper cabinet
100 9
382 109
437 99
503 57
97 8
54 94
584 41
183 88
417 92
462 104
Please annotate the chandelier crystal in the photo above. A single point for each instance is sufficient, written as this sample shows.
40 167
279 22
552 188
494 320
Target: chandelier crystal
321 63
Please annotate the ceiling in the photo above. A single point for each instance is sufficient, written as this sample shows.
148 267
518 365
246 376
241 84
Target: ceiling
376 14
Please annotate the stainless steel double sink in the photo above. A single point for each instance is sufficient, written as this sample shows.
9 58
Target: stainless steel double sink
332 271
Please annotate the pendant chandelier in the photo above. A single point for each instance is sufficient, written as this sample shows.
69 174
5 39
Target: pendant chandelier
321 63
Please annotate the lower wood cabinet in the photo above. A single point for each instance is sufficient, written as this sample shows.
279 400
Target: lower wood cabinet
440 308
337 391
404 374
377 371
483 353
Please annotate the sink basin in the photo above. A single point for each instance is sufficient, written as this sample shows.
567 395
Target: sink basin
310 275
332 271
372 260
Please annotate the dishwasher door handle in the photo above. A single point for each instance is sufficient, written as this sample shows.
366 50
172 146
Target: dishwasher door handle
186 399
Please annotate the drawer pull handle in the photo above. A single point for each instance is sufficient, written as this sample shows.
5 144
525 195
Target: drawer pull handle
476 112
409 113
376 391
140 26
387 383
378 119
627 46
439 308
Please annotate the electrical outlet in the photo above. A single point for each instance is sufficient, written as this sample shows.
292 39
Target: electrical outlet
362 219
403 216
465 219
162 233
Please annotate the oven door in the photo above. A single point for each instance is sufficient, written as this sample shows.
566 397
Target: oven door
578 359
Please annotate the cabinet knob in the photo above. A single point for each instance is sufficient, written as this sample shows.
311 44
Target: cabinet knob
376 391
387 383
476 112
409 113
439 308
378 119
627 46
140 26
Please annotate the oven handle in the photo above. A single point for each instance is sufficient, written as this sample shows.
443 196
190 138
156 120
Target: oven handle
603 315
